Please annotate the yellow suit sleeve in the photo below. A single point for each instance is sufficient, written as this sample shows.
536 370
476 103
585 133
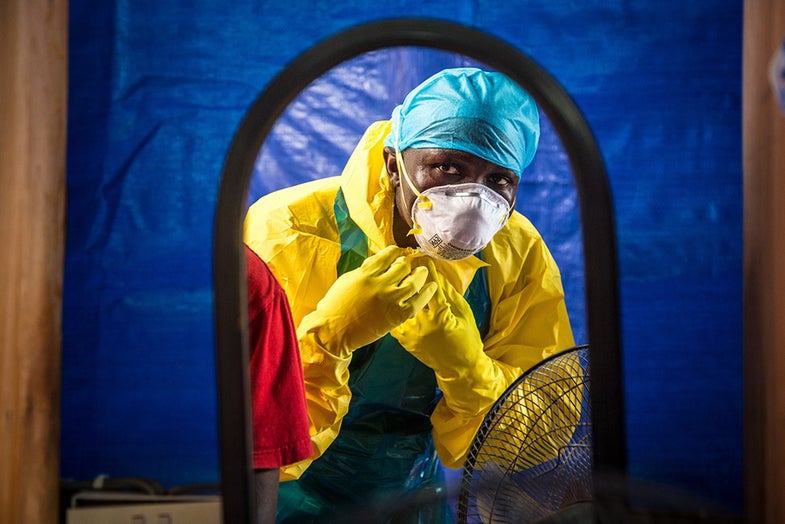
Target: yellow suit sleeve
529 322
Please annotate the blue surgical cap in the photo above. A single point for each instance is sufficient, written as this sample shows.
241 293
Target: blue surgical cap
482 113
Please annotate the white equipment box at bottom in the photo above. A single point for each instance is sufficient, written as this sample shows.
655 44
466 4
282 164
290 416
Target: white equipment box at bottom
189 510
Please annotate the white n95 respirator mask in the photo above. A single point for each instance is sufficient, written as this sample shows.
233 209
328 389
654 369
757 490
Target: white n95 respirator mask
454 222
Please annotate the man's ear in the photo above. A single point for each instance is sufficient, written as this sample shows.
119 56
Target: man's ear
391 164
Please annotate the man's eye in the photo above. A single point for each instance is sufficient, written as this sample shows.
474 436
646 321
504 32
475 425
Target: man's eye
501 180
450 169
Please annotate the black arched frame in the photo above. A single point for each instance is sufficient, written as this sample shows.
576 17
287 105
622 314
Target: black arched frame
596 213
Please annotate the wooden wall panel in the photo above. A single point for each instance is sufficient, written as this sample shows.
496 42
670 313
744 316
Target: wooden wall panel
764 267
33 87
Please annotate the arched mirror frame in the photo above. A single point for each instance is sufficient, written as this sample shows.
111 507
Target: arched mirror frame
596 214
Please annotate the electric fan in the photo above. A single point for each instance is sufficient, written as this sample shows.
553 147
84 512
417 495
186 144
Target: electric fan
532 457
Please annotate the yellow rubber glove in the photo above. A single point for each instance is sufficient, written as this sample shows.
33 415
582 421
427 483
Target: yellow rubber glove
366 303
444 337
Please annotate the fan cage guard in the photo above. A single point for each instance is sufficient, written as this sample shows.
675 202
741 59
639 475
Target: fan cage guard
532 456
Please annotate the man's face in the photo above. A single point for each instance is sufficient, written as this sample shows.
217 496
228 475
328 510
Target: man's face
429 168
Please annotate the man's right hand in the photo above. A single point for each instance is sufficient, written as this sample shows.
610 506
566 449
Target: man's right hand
366 303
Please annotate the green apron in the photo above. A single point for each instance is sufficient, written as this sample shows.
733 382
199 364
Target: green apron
383 456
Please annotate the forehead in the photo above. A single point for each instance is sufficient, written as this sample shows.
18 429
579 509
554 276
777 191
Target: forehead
439 155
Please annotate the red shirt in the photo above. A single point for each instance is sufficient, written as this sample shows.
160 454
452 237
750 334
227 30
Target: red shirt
279 416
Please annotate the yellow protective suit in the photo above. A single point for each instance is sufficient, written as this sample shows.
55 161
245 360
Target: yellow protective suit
295 231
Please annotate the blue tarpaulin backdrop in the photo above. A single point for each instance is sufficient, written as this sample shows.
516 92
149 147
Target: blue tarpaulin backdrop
158 89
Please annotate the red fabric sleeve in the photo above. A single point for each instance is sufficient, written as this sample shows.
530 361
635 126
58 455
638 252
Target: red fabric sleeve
279 416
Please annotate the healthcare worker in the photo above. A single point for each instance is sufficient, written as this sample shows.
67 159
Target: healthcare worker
418 293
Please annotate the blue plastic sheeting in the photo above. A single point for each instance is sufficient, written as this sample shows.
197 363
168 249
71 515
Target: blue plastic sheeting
157 90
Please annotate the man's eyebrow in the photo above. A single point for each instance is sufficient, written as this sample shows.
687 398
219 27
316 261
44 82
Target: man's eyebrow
449 153
445 154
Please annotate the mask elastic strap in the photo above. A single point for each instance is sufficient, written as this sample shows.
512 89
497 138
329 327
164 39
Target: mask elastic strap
507 216
424 201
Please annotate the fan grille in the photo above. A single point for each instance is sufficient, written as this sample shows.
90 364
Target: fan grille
532 455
